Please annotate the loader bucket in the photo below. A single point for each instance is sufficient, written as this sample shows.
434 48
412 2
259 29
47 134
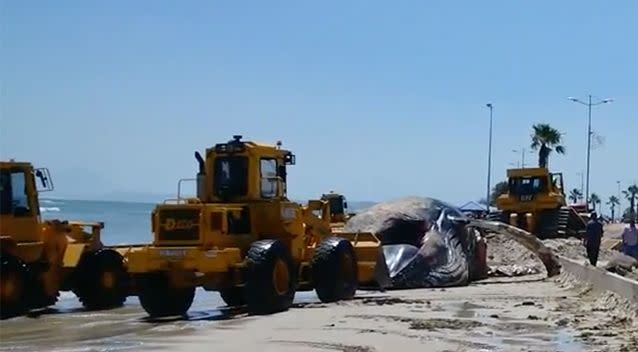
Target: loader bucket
371 261
381 270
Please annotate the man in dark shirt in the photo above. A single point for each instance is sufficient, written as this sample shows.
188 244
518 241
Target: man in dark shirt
593 237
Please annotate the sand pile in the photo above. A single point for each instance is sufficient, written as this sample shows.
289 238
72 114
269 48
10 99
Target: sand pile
506 257
574 249
624 265
611 260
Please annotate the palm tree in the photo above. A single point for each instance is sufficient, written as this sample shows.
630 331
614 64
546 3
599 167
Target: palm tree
632 195
574 195
594 199
612 202
544 138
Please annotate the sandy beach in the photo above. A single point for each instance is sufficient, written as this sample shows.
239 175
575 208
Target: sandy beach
493 316
529 313
524 313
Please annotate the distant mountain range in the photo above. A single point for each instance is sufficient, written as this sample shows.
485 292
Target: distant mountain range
128 197
145 197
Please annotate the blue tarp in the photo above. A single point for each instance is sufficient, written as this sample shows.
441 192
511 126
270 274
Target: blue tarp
472 206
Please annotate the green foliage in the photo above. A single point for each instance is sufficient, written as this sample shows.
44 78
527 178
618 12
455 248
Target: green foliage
594 200
545 139
631 193
613 202
575 194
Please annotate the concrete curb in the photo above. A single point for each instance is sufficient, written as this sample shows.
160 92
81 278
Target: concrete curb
601 279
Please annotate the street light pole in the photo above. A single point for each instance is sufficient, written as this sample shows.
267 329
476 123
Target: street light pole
522 150
589 104
489 159
581 183
588 149
619 199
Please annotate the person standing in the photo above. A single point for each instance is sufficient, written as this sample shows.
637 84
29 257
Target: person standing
630 239
593 237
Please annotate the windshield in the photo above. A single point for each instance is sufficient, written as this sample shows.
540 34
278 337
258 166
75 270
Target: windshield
13 193
336 205
231 176
526 186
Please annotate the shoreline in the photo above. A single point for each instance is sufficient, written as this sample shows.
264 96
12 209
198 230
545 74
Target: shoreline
541 314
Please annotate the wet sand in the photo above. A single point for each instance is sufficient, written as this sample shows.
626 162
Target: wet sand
500 314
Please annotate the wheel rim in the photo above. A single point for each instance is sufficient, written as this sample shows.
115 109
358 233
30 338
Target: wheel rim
281 277
10 288
108 279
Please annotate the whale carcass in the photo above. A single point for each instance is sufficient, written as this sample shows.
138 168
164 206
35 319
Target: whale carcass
429 243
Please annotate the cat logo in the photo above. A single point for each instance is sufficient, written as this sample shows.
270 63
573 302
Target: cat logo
171 224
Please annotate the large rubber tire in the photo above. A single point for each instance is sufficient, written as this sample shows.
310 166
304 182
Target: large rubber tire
38 297
335 272
14 276
233 296
159 299
101 280
271 280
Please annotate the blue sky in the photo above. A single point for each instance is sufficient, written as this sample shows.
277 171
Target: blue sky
377 100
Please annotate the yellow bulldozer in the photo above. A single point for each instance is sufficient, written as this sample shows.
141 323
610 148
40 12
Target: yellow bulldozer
40 257
243 237
535 201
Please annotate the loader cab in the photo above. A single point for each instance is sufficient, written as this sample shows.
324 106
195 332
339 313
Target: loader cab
525 188
237 182
244 171
526 184
19 205
338 205
533 185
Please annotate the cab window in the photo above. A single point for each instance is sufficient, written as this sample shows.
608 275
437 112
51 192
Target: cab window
526 186
268 170
231 176
336 205
13 193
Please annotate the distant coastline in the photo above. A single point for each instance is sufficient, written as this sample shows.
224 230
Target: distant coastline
154 199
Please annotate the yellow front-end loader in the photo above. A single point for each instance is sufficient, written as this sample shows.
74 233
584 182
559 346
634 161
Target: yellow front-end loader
338 206
243 237
339 214
40 258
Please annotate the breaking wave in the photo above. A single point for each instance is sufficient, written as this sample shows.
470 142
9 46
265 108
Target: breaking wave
50 201
49 209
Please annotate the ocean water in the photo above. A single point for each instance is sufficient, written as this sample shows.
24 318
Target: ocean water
124 222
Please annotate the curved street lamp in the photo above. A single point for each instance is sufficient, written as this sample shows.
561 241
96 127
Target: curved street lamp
489 159
522 152
589 104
